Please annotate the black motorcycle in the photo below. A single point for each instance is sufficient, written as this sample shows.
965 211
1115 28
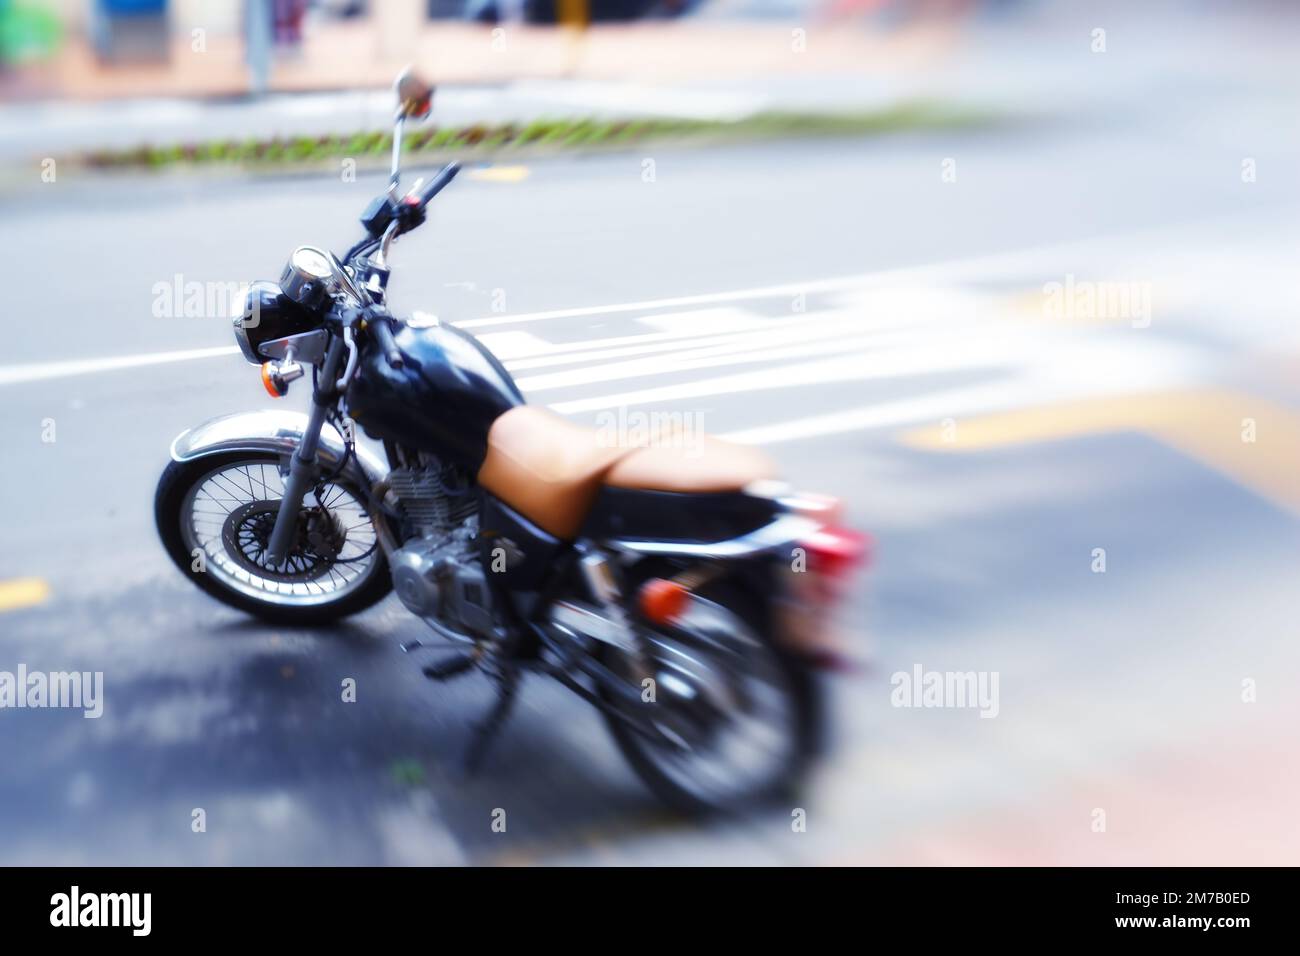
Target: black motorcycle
676 586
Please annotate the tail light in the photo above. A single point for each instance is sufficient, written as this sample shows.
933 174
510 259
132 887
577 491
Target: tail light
817 581
835 552
807 614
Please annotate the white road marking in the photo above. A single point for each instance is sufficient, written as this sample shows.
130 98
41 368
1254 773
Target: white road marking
621 346
42 371
1049 257
1060 362
646 305
1004 394
811 327
792 344
513 343
978 267
517 348
703 321
843 368
1073 377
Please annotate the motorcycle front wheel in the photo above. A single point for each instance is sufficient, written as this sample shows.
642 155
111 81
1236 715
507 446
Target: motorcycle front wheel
215 515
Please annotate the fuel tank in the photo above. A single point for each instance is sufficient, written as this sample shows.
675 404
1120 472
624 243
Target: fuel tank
443 399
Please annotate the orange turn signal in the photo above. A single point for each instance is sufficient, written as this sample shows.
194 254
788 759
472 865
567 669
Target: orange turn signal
663 601
273 389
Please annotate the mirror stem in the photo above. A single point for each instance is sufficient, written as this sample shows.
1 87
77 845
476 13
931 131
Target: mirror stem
396 176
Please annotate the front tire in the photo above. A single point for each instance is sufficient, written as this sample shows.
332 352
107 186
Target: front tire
212 512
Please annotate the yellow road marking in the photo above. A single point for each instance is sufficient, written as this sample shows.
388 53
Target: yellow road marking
500 174
23 592
1213 427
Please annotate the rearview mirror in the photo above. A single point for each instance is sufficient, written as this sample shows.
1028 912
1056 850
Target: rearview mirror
414 95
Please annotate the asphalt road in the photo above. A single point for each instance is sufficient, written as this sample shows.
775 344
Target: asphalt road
988 444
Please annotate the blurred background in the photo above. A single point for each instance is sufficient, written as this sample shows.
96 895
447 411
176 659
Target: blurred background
1013 279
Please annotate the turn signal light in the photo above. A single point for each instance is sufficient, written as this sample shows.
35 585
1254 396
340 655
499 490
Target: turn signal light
275 386
277 376
663 601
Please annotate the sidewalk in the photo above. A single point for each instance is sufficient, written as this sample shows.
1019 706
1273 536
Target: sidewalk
350 56
341 81
718 70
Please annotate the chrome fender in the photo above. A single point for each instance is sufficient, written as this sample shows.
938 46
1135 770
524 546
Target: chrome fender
279 432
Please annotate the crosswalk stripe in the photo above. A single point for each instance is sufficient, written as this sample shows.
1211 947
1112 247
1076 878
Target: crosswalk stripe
624 346
1032 260
727 318
843 368
911 411
773 350
513 343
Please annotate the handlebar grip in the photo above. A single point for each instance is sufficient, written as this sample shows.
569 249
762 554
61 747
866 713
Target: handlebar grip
383 333
439 182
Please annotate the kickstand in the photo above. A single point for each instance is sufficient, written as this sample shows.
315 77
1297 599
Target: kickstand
485 732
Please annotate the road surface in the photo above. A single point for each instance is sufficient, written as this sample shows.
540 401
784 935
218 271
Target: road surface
890 336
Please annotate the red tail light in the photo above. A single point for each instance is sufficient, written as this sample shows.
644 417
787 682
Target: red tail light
808 613
835 552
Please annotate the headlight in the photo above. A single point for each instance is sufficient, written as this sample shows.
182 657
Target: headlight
246 315
269 314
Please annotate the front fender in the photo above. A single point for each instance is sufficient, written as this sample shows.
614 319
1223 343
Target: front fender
275 431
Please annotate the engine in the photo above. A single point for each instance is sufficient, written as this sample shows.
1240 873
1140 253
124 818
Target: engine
437 572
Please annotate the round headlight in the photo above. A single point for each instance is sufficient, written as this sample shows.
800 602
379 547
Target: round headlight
246 314
269 314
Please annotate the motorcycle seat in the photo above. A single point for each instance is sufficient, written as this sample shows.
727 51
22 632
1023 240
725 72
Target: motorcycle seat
550 470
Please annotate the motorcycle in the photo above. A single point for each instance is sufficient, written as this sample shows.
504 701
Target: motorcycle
677 587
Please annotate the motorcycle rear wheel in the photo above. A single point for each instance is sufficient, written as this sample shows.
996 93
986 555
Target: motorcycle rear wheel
679 774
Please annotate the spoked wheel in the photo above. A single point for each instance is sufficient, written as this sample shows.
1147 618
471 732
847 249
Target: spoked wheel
215 517
733 722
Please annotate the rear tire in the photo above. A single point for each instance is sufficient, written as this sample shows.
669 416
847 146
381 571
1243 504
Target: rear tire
801 728
171 503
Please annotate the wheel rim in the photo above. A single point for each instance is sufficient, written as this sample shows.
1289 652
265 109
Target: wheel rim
228 513
752 736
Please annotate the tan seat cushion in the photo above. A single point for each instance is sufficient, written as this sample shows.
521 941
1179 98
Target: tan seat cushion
701 465
550 470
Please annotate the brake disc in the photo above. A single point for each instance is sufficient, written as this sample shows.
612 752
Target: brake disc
247 532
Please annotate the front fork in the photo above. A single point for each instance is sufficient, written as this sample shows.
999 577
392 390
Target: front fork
303 466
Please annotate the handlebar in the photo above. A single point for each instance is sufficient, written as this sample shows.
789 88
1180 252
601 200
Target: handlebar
438 183
407 213
383 333
384 220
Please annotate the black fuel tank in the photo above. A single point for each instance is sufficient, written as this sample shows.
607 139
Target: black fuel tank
442 400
